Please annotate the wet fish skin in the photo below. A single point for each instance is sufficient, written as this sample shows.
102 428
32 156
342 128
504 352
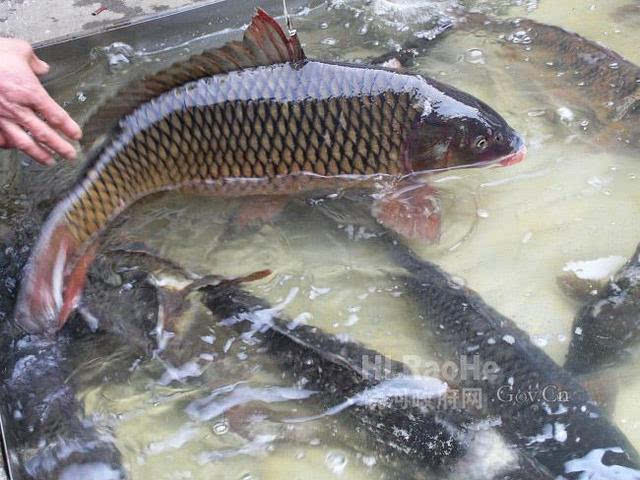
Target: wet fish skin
339 371
225 125
593 74
47 434
552 433
609 324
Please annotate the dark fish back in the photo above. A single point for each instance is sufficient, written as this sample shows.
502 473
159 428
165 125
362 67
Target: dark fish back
556 429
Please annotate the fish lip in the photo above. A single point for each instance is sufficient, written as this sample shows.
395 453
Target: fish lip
513 158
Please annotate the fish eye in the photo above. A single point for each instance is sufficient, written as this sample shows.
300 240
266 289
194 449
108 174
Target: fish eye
481 143
499 138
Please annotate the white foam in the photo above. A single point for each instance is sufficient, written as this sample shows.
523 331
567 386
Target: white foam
592 467
229 396
404 386
94 471
257 445
598 269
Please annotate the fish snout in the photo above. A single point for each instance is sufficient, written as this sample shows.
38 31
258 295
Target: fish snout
518 151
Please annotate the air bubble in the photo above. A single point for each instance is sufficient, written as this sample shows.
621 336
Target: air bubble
118 55
220 428
474 56
336 461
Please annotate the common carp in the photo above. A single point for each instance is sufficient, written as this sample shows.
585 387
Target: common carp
413 426
255 117
46 430
609 324
585 72
565 431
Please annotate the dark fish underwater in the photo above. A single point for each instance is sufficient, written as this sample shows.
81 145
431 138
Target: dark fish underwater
434 436
608 325
257 117
575 68
571 436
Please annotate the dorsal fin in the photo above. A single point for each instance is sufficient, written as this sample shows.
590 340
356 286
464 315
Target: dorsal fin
264 43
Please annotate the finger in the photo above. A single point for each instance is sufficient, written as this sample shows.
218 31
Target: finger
45 135
19 139
38 66
54 114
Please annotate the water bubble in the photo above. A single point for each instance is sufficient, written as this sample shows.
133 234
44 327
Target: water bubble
536 112
336 461
519 37
324 25
81 97
369 461
248 476
220 428
565 114
329 41
614 65
474 56
118 55
482 213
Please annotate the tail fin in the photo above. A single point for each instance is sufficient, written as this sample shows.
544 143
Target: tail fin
53 280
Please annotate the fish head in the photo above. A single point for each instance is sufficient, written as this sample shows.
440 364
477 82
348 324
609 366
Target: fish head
457 130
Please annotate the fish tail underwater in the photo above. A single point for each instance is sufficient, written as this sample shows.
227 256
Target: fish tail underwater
254 117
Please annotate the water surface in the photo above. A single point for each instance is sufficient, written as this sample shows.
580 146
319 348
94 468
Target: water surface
507 232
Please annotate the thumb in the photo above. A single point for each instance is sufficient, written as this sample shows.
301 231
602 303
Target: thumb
38 66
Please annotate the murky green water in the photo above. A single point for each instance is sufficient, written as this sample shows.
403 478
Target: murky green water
507 232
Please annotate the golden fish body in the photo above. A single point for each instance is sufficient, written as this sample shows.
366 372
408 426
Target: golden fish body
254 117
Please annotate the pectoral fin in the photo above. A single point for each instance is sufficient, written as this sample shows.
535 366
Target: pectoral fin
413 211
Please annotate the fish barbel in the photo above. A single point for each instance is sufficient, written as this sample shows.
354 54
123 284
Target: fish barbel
253 117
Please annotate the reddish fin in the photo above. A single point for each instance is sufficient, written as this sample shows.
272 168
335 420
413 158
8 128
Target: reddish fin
262 209
42 292
412 211
74 284
264 43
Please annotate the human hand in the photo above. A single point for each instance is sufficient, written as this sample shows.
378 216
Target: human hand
25 106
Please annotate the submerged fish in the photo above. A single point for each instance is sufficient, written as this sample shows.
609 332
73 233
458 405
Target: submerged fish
47 434
405 419
585 72
609 324
254 117
543 410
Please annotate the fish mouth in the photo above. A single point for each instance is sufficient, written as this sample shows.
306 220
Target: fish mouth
513 158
